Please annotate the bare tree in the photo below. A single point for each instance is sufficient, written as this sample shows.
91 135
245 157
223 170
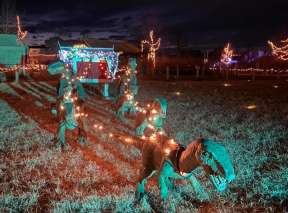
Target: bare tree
8 16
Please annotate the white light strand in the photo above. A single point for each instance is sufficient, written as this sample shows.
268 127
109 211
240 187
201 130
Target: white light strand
152 46
280 52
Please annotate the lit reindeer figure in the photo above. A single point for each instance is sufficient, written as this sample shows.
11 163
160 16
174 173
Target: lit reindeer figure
153 47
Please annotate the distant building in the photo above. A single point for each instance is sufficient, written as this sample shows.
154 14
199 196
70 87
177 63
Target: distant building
41 55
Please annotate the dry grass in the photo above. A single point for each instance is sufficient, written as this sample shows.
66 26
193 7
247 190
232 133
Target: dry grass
101 176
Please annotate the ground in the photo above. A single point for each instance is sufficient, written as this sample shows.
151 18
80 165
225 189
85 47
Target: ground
249 117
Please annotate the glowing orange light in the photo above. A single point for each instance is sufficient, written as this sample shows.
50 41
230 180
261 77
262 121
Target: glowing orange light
128 140
227 85
152 137
167 151
171 141
252 106
150 126
154 111
183 173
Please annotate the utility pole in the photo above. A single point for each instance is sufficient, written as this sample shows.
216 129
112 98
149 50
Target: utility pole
7 16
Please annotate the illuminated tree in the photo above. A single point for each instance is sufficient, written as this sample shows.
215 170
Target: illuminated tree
280 52
152 46
227 54
21 34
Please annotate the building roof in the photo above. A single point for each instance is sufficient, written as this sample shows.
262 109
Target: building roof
119 46
11 52
8 40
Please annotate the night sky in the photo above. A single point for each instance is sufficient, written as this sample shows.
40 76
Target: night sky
198 23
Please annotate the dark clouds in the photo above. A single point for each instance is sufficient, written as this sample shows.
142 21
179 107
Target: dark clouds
247 22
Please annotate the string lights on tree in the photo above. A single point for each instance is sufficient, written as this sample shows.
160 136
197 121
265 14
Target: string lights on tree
280 52
21 34
227 53
152 47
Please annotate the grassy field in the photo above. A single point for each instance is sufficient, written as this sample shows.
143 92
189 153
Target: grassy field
249 118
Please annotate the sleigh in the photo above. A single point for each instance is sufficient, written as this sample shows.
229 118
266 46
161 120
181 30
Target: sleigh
92 66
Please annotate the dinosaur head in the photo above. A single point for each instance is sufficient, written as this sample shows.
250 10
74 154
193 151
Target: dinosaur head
160 104
57 67
217 164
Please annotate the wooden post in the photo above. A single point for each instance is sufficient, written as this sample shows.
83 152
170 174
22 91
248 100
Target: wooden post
203 71
227 74
253 75
278 75
105 90
177 71
167 73
197 71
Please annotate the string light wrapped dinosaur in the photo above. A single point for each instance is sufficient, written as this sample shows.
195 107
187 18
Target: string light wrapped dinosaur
128 89
169 160
70 103
152 118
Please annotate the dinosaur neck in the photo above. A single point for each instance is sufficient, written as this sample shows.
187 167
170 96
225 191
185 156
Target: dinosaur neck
189 158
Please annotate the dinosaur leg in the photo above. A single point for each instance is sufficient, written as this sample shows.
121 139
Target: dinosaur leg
121 111
163 187
141 128
169 183
81 131
132 109
61 134
162 180
145 174
199 190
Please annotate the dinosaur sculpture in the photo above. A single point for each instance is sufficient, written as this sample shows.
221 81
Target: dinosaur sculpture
152 118
128 90
170 160
71 116
70 103
129 80
67 78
